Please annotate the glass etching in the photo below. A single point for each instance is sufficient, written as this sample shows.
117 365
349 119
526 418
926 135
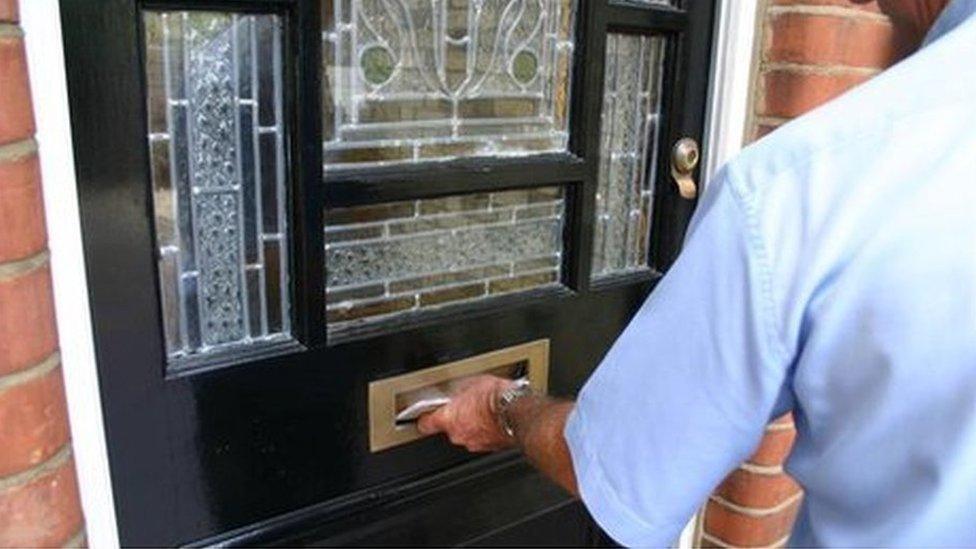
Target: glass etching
412 80
405 257
629 138
216 140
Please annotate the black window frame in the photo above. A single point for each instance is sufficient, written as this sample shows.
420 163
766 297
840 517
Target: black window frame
300 76
313 192
574 170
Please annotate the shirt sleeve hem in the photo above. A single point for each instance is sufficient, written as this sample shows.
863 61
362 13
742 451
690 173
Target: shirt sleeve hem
602 501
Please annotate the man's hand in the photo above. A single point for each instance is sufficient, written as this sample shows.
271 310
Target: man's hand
470 419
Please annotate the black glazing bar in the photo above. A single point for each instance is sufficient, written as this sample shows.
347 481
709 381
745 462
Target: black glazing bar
306 198
592 35
240 6
648 18
374 186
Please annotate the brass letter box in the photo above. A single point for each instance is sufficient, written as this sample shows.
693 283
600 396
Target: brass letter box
387 397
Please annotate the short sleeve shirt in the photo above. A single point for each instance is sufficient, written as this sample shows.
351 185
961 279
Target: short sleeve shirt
830 270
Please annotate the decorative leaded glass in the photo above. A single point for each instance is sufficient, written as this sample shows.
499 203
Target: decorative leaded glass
651 2
216 142
403 257
631 105
416 80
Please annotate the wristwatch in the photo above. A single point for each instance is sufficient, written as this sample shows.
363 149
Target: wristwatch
509 397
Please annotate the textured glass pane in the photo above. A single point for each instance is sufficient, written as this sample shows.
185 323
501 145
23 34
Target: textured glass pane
650 2
216 147
418 80
631 105
402 257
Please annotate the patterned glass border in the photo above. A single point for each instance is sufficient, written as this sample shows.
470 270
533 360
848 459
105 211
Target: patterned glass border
399 258
219 180
629 138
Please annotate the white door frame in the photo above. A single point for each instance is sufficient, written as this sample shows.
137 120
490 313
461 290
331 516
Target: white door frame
730 90
727 116
41 21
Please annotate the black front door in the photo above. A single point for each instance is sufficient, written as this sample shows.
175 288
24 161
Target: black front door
286 201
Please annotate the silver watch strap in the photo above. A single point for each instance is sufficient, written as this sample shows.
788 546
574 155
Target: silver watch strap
518 390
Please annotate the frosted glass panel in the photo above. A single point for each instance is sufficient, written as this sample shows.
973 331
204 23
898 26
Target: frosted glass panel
631 106
419 80
219 180
402 257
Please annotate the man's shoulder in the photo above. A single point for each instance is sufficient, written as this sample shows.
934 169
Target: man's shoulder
914 101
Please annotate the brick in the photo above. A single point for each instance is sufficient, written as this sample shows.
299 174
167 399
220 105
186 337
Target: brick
33 422
452 277
521 198
361 292
16 116
762 130
367 214
43 512
27 331
454 203
789 93
756 490
373 308
8 11
22 232
518 283
831 40
456 293
743 530
869 7
774 448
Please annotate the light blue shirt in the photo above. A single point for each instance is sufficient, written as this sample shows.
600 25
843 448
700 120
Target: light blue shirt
831 270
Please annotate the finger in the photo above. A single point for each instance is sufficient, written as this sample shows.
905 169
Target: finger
432 423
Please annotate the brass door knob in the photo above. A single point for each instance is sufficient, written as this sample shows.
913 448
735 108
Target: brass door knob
684 159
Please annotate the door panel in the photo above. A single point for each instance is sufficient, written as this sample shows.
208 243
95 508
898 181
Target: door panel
274 218
567 526
491 504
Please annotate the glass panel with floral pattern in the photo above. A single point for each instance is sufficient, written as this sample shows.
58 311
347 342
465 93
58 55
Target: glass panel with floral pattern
410 81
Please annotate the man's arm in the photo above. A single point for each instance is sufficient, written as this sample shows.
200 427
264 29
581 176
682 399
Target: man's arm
647 441
539 423
472 420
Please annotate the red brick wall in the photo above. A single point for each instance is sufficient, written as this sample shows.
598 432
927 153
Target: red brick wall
810 52
39 504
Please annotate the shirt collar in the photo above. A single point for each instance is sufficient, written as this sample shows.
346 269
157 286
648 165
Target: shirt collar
954 14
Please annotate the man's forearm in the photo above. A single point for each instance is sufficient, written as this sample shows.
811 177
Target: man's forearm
538 423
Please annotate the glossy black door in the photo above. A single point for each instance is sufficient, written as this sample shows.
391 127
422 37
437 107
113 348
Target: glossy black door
272 447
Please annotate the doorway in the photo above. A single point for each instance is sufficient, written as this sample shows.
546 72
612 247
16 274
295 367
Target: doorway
284 201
